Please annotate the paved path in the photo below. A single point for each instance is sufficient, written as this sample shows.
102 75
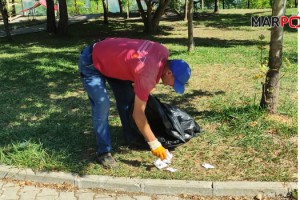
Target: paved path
26 190
42 26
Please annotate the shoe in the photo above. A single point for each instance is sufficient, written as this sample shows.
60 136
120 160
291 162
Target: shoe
107 161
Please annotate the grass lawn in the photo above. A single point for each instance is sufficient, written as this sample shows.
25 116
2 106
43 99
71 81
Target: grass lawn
45 121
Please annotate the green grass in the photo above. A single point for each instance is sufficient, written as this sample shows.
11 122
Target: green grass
45 115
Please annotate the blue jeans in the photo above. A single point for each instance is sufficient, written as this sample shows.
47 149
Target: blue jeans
95 85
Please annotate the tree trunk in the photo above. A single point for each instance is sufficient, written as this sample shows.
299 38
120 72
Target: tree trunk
216 6
270 89
151 21
63 17
121 6
51 23
143 15
13 8
4 14
223 4
127 10
191 44
202 5
105 10
76 9
296 3
185 18
248 4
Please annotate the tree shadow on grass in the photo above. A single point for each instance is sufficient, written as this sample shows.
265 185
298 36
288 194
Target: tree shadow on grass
182 101
43 105
226 20
234 21
209 42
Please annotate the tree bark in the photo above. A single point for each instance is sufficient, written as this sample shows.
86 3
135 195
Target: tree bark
51 22
186 2
127 10
75 6
202 5
4 14
216 6
63 18
191 44
270 89
13 8
105 10
121 6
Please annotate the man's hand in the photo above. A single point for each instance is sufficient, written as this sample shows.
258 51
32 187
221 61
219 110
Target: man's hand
157 149
160 152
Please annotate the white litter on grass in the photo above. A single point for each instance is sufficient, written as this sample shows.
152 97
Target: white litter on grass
207 166
171 169
160 164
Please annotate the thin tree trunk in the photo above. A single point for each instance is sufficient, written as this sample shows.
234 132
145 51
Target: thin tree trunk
149 16
216 6
270 89
121 6
186 2
223 4
105 10
13 8
202 5
75 6
127 10
296 3
22 7
191 44
143 15
63 18
4 14
51 23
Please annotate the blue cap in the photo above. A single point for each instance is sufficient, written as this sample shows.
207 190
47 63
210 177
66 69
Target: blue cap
181 72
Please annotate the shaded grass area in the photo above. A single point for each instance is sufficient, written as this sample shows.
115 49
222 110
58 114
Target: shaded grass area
45 116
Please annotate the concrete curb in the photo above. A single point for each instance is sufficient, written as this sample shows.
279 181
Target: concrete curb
152 186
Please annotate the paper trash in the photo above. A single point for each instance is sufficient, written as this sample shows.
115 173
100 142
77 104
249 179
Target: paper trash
171 169
207 166
160 164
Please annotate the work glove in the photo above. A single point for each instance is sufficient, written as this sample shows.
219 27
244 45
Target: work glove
157 149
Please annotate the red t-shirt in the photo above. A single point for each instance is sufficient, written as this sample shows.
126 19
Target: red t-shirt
140 61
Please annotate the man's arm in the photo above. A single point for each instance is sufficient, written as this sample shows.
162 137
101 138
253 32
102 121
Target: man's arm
144 127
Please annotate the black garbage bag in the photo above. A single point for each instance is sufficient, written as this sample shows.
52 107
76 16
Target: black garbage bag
171 126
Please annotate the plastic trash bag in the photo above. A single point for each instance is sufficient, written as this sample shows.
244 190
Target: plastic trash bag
171 125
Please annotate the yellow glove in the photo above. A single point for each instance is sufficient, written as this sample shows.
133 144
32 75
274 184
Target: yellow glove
157 149
160 152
